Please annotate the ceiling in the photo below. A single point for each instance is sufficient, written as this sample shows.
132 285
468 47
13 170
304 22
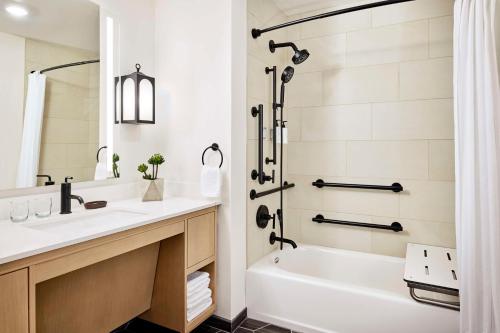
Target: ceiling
294 7
72 23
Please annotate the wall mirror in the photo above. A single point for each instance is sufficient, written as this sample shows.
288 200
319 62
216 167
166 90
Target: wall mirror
57 91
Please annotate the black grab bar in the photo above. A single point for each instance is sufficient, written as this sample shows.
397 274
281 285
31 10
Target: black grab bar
254 195
395 187
395 226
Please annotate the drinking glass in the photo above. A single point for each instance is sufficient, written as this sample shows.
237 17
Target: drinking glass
42 207
19 211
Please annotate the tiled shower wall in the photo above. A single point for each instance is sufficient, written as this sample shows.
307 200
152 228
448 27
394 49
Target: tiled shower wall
70 133
373 105
259 91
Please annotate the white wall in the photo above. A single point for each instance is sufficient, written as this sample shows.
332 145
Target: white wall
200 52
12 55
374 103
135 143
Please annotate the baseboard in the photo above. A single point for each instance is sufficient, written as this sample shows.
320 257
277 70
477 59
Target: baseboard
226 324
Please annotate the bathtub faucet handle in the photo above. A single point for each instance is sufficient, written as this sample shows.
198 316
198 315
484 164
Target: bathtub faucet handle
263 217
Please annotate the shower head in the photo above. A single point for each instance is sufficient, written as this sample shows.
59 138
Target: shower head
299 56
287 74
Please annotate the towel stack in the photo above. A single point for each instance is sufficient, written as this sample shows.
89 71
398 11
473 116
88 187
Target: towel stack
199 295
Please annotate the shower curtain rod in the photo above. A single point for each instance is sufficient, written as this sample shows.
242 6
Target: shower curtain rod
257 32
73 64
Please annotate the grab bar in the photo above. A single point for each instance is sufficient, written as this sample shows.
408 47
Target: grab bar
395 187
254 195
395 226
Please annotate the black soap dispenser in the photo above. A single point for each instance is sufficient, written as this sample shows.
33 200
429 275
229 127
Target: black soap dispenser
66 196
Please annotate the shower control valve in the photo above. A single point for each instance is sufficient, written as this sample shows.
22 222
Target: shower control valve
263 217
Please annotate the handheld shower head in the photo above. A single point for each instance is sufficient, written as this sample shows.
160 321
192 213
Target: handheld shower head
287 74
286 77
299 56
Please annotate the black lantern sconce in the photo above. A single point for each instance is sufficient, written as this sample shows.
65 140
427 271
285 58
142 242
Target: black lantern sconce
137 98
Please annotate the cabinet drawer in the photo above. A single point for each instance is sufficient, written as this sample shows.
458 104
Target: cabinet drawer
201 238
14 302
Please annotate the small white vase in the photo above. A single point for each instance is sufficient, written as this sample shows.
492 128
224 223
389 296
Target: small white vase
153 190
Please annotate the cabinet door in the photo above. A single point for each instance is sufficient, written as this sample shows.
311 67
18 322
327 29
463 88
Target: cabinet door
14 302
201 238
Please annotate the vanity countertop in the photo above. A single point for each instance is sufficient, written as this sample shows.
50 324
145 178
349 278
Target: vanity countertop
35 236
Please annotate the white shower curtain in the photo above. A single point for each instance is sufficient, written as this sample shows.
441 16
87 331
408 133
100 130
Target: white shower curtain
32 131
477 135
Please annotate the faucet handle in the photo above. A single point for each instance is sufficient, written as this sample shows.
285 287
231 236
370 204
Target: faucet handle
66 179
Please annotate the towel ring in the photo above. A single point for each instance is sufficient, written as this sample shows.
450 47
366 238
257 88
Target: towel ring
99 151
214 147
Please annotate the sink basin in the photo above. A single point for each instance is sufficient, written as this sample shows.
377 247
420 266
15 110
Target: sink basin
84 223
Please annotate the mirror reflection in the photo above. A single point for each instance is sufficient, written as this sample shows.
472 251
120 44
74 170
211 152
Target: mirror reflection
50 92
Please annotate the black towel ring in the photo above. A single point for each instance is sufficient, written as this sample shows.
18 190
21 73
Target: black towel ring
103 147
214 147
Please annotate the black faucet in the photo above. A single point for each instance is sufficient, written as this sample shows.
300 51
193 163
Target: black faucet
66 196
273 238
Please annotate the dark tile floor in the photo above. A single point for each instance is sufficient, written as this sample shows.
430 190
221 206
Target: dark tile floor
247 326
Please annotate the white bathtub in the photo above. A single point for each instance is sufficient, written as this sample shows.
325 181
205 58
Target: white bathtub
317 289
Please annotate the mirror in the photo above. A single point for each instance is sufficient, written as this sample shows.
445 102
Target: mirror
56 92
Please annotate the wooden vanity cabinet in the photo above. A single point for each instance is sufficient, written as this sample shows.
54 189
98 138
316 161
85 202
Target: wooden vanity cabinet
14 302
96 286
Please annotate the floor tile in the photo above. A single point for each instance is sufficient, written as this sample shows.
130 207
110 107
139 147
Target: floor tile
253 324
273 329
242 330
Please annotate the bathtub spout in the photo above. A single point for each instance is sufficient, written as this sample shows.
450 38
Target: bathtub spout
273 238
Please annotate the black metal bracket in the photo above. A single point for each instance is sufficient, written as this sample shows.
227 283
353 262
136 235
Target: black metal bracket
254 194
214 147
395 226
395 187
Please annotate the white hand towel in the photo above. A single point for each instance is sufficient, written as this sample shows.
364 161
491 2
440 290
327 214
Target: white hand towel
199 288
101 172
210 181
198 298
196 277
195 312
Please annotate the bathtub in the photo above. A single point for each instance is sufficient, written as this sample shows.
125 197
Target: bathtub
318 289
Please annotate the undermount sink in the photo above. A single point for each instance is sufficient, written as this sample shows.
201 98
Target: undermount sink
84 222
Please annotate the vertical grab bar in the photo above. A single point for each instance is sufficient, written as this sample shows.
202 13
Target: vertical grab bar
260 174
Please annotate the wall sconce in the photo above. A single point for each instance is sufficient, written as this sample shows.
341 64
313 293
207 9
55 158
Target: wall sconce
138 98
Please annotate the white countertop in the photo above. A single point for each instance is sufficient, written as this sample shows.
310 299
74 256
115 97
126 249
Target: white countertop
35 236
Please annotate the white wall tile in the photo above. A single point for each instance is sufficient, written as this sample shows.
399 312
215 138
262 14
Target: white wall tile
294 121
361 85
305 89
427 79
411 11
441 37
394 43
423 119
388 159
326 52
442 160
335 25
343 122
313 158
304 195
428 201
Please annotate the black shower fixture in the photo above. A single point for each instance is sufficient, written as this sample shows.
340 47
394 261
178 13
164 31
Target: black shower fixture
299 56
286 77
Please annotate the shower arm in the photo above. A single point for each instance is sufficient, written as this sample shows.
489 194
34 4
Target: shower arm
280 45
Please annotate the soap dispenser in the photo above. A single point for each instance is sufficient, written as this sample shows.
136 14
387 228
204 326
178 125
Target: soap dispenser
283 130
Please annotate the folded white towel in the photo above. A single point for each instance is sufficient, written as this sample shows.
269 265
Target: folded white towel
198 298
210 181
195 312
198 288
101 172
196 278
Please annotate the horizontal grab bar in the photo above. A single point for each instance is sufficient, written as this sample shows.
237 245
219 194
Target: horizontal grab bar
395 187
254 195
395 226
